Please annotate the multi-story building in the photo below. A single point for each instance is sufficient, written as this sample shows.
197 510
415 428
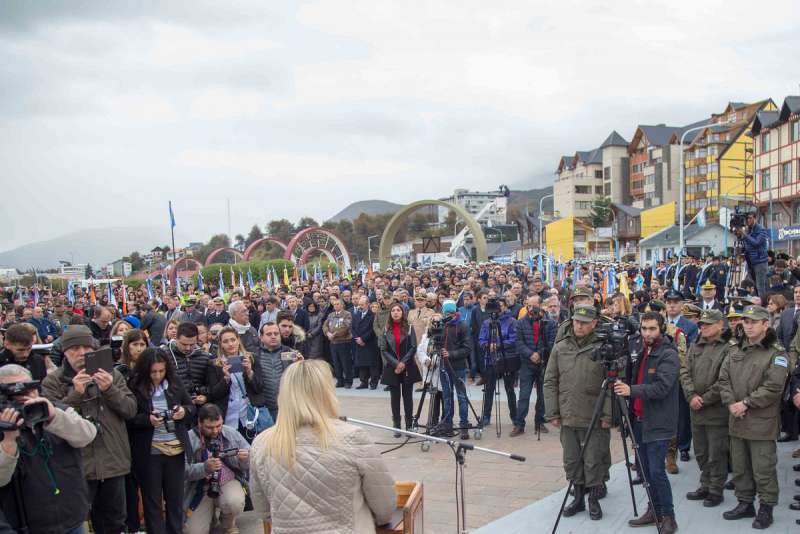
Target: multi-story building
776 148
654 165
616 168
578 183
719 160
475 201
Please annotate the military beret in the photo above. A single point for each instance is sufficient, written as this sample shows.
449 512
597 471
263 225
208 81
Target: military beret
584 312
710 316
758 313
656 305
582 292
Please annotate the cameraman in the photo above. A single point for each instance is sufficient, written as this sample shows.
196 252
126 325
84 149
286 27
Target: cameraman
499 356
208 439
572 383
535 337
755 241
654 390
105 400
57 497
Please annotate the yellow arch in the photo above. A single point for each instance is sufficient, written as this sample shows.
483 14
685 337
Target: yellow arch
387 239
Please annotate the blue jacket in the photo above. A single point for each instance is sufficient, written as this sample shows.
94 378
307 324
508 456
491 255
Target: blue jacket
45 328
688 328
508 335
755 245
525 344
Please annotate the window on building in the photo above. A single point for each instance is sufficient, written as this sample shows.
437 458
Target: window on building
691 188
607 190
703 169
583 205
764 141
583 189
607 173
637 184
765 179
786 173
795 131
598 189
713 167
777 216
598 174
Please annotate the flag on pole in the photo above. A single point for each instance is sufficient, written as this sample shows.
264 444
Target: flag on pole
124 300
163 287
250 281
150 294
70 292
700 277
623 284
110 295
233 279
171 216
701 218
675 279
639 280
276 283
92 296
201 285
221 284
178 290
241 282
540 265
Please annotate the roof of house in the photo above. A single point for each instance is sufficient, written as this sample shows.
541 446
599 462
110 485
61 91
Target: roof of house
669 236
791 104
565 161
659 134
614 139
764 119
628 210
589 157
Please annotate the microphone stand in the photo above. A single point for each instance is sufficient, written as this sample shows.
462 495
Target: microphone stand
459 449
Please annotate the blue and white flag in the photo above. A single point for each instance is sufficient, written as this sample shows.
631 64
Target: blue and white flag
221 284
241 282
639 280
540 265
171 216
675 279
201 286
163 287
110 295
150 294
70 293
178 290
250 281
701 218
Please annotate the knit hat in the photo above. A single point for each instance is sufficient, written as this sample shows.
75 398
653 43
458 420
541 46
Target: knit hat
77 336
448 306
133 320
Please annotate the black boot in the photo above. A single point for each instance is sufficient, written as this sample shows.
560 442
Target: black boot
396 424
410 424
764 517
743 509
577 504
697 495
602 491
595 512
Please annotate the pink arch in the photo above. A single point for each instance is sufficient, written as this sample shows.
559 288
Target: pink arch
258 242
309 251
299 235
210 258
173 272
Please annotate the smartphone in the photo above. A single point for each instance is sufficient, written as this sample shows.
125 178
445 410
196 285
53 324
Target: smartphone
288 356
236 364
99 359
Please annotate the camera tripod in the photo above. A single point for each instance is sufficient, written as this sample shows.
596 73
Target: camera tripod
619 407
735 271
435 365
495 352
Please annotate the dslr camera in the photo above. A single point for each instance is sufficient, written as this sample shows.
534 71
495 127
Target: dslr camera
116 347
167 416
216 450
32 414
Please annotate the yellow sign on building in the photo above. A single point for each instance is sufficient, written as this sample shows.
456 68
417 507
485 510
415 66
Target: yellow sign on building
560 238
656 219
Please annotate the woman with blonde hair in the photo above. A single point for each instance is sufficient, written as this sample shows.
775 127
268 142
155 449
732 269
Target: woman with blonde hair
353 490
233 379
170 331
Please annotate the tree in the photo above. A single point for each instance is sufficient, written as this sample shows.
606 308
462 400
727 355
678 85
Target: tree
281 229
306 222
217 241
254 235
601 212
239 242
137 263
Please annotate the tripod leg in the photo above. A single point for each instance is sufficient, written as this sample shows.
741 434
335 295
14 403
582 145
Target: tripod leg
621 407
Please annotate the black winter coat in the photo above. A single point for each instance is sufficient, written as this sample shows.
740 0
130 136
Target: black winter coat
659 391
35 363
458 343
315 345
362 327
191 369
525 344
392 355
219 390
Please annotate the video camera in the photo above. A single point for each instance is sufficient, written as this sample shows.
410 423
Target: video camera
32 414
116 347
738 220
216 450
436 330
615 351
493 305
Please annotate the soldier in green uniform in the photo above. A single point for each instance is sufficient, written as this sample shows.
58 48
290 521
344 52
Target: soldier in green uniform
700 380
572 383
751 384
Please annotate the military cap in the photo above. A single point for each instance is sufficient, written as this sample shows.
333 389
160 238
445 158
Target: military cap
710 316
708 285
691 310
733 314
656 305
585 313
191 301
673 294
582 292
219 300
758 313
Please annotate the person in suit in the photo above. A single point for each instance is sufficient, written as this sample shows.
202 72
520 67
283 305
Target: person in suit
708 297
674 305
367 358
300 315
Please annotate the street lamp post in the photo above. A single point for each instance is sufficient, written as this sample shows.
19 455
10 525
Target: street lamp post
540 221
369 249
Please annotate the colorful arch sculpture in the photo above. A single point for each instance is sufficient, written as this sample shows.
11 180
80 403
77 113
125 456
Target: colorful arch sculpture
173 272
309 251
318 239
210 258
258 242
387 239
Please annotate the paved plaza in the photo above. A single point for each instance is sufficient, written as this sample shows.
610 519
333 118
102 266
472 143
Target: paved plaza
507 497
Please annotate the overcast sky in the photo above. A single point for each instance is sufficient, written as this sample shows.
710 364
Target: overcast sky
110 109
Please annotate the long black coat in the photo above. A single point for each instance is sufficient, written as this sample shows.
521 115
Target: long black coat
393 355
219 391
362 327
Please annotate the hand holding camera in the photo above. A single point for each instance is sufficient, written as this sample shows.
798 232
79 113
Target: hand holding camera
80 381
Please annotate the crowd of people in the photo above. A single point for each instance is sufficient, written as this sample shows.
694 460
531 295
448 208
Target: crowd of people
198 378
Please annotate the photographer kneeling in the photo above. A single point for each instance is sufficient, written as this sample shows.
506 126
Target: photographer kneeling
217 474
53 492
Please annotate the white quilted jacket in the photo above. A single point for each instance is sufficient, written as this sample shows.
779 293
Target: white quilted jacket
346 489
